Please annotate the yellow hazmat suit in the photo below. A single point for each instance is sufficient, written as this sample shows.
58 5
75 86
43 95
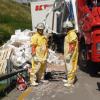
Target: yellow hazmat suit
39 58
71 55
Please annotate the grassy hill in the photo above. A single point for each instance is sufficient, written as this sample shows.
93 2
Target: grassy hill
13 16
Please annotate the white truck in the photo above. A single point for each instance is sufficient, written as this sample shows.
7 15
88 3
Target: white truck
53 13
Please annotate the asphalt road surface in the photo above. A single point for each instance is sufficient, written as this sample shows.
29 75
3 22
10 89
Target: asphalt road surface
87 87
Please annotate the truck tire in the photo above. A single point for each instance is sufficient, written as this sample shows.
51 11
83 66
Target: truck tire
82 55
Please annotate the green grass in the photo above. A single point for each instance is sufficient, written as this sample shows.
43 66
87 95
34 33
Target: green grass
13 16
2 86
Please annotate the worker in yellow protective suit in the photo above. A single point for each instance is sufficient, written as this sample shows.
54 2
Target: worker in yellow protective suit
70 53
39 55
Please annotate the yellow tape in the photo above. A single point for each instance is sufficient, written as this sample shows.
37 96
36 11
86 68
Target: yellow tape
25 94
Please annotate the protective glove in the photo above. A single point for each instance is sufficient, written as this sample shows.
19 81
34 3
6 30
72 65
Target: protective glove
68 58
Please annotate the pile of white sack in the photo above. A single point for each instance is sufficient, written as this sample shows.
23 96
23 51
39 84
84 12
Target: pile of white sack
20 44
54 58
21 50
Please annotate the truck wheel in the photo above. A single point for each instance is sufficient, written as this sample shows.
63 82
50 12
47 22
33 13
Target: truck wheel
83 55
82 60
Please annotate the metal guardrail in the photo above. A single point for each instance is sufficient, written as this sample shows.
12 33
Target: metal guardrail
6 76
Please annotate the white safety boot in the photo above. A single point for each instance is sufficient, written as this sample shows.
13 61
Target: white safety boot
34 84
69 83
44 81
65 81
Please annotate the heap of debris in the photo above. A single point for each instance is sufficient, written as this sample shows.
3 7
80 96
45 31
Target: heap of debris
19 51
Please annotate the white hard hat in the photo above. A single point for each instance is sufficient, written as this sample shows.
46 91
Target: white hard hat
67 24
40 26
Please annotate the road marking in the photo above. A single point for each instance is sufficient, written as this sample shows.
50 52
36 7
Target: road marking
25 94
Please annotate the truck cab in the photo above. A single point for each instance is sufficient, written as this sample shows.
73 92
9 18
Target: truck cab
88 13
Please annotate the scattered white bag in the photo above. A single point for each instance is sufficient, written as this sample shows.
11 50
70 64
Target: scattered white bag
20 42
